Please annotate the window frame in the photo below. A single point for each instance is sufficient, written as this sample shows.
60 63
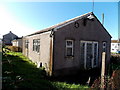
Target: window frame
36 45
26 44
84 53
69 46
104 45
95 65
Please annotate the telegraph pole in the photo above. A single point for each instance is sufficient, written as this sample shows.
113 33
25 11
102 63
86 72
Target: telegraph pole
93 6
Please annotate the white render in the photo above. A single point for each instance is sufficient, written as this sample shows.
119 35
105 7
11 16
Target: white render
17 42
115 47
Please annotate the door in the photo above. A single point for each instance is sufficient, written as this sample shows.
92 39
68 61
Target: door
89 53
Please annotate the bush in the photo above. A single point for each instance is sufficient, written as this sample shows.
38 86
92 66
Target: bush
115 59
14 48
112 81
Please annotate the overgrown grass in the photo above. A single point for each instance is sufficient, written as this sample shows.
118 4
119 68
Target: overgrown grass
64 85
19 72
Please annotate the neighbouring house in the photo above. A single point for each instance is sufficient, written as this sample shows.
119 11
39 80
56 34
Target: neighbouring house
17 42
70 46
0 45
115 44
7 38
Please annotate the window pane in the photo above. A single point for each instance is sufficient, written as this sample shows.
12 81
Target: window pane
33 45
38 49
26 43
69 43
95 53
69 51
89 55
82 48
36 45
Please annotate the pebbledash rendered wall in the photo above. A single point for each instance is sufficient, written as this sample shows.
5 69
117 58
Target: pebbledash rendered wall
44 55
93 31
52 48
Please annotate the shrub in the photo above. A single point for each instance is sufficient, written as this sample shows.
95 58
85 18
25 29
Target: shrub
112 81
14 48
115 59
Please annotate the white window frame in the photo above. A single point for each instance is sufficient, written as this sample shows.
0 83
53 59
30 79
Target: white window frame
36 44
67 46
85 53
104 47
27 44
96 55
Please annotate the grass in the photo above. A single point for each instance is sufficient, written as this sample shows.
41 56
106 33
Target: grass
64 85
19 72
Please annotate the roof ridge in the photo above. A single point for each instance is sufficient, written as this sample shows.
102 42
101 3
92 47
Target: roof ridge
61 23
115 41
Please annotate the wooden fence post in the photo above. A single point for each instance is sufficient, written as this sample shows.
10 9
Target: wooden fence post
103 71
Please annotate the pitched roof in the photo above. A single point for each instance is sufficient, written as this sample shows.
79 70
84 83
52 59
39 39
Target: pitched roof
115 41
67 21
62 23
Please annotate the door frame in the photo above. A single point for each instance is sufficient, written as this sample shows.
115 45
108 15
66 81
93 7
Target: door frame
85 52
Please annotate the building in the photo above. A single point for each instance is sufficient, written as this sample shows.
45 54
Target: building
115 44
70 46
0 46
7 38
17 42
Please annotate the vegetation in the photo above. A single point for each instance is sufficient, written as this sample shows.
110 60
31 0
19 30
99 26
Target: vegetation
20 72
115 62
14 48
64 85
112 80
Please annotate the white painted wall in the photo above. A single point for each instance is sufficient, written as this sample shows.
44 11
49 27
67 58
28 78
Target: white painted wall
115 47
17 43
44 55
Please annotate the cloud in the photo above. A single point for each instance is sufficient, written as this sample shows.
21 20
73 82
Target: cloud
9 23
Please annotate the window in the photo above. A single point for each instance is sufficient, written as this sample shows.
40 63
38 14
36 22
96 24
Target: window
89 53
26 43
115 46
40 64
95 51
69 47
36 45
112 44
82 48
104 46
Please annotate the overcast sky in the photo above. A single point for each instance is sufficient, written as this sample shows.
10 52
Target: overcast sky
23 18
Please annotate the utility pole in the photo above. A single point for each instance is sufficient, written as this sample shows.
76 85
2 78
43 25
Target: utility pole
102 18
93 6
